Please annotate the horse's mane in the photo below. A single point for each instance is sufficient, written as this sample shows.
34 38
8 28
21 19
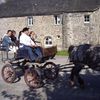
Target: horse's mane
78 53
71 47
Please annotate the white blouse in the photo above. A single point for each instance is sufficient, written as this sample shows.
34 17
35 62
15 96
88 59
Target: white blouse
26 40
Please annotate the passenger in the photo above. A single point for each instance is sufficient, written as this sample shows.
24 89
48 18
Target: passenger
18 41
6 41
38 49
32 35
15 42
13 36
26 42
19 35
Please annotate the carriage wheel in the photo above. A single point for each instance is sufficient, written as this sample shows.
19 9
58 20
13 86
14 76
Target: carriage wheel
51 70
32 79
8 73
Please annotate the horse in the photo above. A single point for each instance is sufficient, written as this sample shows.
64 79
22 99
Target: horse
81 55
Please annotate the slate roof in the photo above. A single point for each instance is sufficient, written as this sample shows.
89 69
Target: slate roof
16 8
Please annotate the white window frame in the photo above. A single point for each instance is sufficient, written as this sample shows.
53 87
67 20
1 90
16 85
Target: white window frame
48 41
30 20
87 18
57 19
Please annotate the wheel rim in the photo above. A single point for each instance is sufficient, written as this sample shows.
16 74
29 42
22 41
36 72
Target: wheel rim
32 78
8 74
50 71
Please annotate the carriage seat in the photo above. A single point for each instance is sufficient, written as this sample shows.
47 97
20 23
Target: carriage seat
22 53
2 48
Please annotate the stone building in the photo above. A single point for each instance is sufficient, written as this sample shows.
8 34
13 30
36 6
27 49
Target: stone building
56 22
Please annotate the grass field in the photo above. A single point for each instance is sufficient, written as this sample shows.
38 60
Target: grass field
62 53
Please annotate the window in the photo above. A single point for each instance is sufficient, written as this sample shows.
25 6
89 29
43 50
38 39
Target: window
57 19
86 18
30 21
48 41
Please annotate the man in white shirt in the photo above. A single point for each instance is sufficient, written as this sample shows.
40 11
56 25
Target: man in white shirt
26 40
33 51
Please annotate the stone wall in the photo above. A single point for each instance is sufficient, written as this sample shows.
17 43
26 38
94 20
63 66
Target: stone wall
45 26
42 25
76 31
72 31
11 24
96 21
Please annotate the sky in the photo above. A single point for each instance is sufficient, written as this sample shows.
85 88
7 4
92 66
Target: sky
2 1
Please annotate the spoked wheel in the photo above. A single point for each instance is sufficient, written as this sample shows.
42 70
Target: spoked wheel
51 70
32 78
8 73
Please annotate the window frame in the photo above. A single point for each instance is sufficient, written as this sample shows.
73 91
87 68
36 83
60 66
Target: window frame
48 41
87 18
30 20
57 18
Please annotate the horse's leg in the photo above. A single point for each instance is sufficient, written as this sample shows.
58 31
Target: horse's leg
72 77
75 74
79 79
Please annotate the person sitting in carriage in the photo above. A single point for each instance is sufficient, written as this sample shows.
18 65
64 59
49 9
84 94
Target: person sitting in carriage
6 41
33 50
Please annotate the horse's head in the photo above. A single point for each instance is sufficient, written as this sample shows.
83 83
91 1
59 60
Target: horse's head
70 52
70 49
78 53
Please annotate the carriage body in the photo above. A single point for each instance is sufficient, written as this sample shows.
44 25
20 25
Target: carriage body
12 69
48 53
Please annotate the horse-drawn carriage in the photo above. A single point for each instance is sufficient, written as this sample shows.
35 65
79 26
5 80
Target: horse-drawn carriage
34 72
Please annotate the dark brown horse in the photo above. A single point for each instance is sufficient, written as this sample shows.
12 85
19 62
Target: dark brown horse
82 55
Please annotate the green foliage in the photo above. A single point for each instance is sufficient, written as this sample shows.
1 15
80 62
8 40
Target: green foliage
62 53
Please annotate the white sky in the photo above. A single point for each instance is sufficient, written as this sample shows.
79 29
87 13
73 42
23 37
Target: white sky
2 1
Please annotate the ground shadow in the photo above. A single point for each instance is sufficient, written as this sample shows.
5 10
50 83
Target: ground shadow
10 96
60 90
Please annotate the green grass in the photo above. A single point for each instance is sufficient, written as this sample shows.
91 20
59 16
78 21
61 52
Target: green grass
62 53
